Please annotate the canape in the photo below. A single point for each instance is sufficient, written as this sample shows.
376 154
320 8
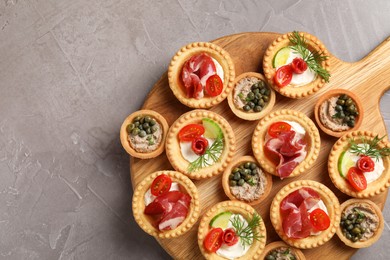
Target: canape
361 223
166 204
201 75
286 143
143 134
359 164
244 180
200 144
305 214
231 230
296 64
338 111
251 98
279 250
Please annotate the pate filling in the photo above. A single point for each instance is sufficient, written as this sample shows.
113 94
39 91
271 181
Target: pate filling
281 253
249 192
242 90
148 143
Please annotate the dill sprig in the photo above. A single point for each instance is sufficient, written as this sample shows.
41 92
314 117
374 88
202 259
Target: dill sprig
213 152
247 233
312 59
369 148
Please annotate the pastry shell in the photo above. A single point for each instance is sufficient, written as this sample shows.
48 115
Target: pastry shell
251 115
334 93
274 245
313 44
329 199
313 146
238 162
173 150
374 188
185 53
378 233
124 135
236 207
138 205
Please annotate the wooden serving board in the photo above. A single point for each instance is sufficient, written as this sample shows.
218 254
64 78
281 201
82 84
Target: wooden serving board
369 78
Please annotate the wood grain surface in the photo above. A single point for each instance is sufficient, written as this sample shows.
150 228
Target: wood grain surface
368 78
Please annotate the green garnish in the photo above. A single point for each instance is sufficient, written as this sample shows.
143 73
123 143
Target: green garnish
251 182
246 233
312 59
241 96
287 252
370 147
213 152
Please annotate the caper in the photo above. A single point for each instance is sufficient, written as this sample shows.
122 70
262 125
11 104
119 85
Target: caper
343 96
241 182
231 176
147 119
248 171
351 216
267 92
358 226
360 236
255 86
351 108
232 183
270 257
146 126
256 91
341 114
350 227
136 123
248 177
247 165
356 231
342 223
247 108
253 166
359 220
142 133
152 122
339 108
348 102
261 102
129 128
142 120
135 131
251 104
137 118
351 123
257 108
349 236
348 222
154 128
340 102
262 91
250 96
363 230
141 127
236 170
343 217
148 131
354 239
237 176
261 84
254 172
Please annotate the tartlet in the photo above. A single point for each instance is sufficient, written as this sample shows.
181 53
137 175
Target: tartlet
144 221
314 45
238 208
236 163
331 202
335 93
124 135
371 206
342 144
173 148
251 115
313 142
175 69
280 244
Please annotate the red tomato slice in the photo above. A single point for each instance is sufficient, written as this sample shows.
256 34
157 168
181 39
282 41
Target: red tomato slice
161 185
190 132
277 128
366 164
319 219
214 86
357 179
298 65
283 76
213 240
229 237
199 145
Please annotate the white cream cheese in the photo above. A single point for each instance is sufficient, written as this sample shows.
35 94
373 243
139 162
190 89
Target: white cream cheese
300 79
189 155
149 197
237 250
378 168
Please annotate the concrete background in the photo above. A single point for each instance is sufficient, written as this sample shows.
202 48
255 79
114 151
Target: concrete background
71 71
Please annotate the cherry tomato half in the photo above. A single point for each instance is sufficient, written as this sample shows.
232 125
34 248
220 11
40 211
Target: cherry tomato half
214 86
283 76
277 128
161 185
319 219
357 179
213 240
298 65
199 145
190 132
229 237
366 164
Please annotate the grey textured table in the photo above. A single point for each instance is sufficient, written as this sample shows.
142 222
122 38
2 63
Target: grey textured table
71 71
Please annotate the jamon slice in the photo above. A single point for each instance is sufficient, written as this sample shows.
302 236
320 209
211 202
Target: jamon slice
176 216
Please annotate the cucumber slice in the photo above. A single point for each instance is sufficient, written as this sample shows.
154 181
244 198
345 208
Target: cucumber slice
221 220
212 129
281 57
345 163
